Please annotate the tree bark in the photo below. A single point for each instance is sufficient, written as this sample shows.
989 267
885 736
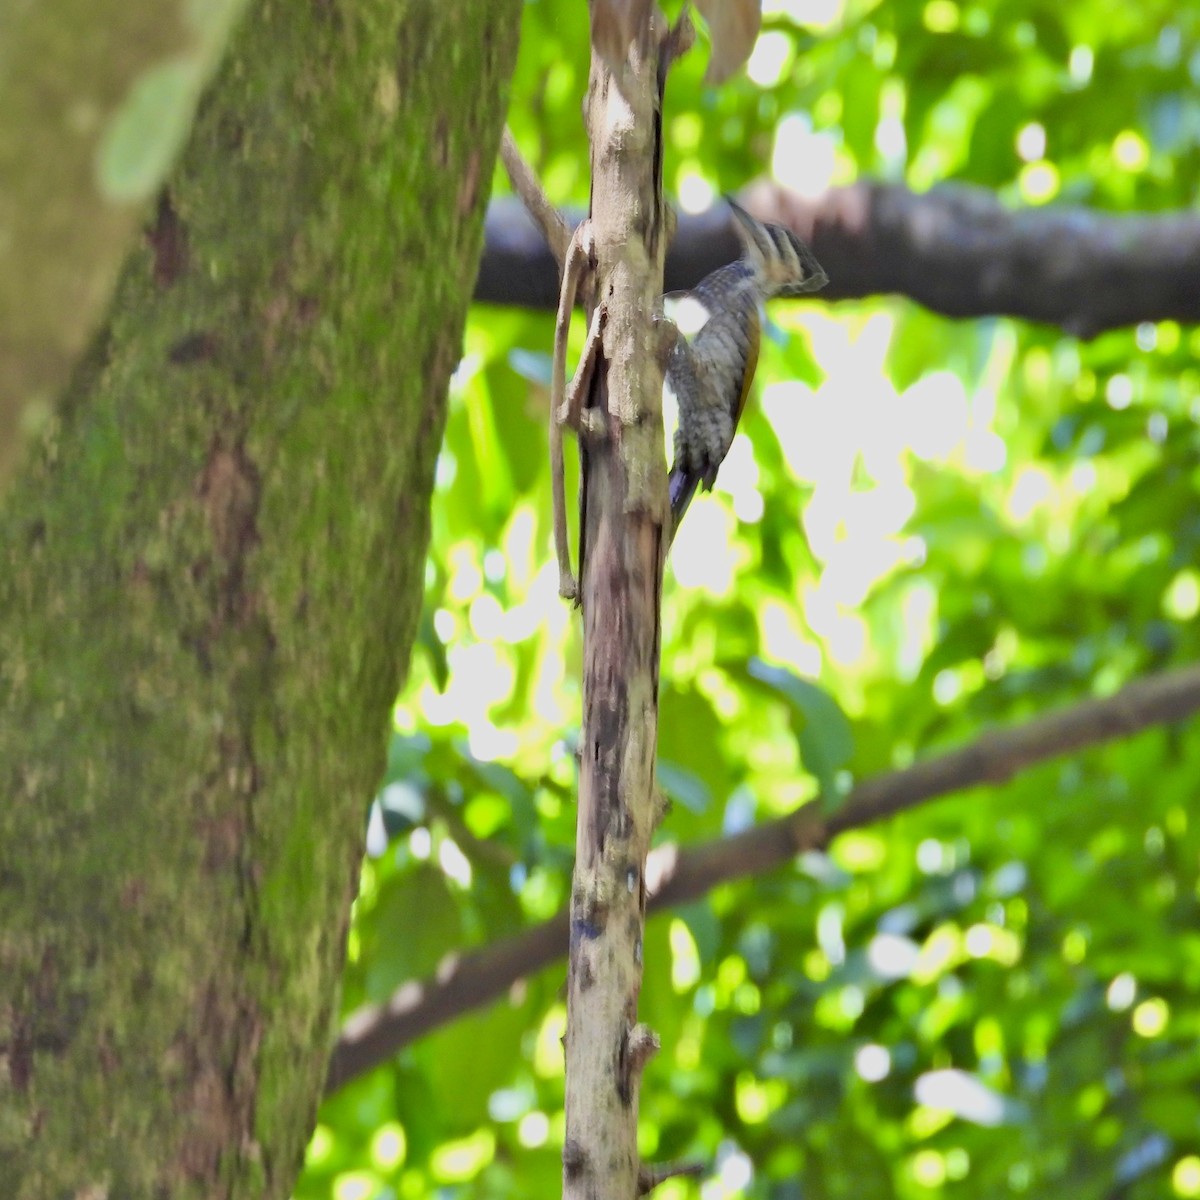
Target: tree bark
210 575
621 552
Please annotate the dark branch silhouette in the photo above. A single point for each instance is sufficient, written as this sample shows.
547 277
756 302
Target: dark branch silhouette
956 249
466 980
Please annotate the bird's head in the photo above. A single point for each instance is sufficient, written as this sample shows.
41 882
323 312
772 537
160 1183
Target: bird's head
785 264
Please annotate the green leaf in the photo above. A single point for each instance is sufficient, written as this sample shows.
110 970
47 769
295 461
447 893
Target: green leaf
520 432
684 787
148 130
822 731
429 641
470 1058
415 923
407 754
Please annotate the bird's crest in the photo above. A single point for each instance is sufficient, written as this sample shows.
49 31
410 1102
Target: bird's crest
785 264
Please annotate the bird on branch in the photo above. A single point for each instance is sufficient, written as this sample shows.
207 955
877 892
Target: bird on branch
711 374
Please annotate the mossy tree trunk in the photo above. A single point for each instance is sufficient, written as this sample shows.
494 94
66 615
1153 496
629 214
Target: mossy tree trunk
210 574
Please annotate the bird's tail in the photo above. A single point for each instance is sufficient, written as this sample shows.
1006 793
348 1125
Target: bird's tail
681 486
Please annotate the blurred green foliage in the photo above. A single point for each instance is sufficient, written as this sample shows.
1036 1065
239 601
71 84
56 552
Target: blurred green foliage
926 528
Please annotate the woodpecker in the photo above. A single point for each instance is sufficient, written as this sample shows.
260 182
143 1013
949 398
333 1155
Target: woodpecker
711 374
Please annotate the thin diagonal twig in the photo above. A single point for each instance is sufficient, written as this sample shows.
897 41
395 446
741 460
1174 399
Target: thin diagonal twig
551 222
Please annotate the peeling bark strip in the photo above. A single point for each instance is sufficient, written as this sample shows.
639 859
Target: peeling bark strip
624 508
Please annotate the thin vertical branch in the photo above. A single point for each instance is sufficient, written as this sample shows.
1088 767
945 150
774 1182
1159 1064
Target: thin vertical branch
625 505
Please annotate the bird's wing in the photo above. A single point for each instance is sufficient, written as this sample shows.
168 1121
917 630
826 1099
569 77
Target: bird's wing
727 349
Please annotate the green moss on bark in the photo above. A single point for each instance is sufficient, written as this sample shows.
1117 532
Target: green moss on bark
210 576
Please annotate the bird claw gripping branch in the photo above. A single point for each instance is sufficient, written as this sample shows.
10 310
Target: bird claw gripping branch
711 374
568 403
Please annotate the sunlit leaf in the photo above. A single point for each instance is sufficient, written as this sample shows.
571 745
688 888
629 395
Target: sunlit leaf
822 730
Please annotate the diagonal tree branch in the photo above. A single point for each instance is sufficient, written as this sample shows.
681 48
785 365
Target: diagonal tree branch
956 249
467 980
525 183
